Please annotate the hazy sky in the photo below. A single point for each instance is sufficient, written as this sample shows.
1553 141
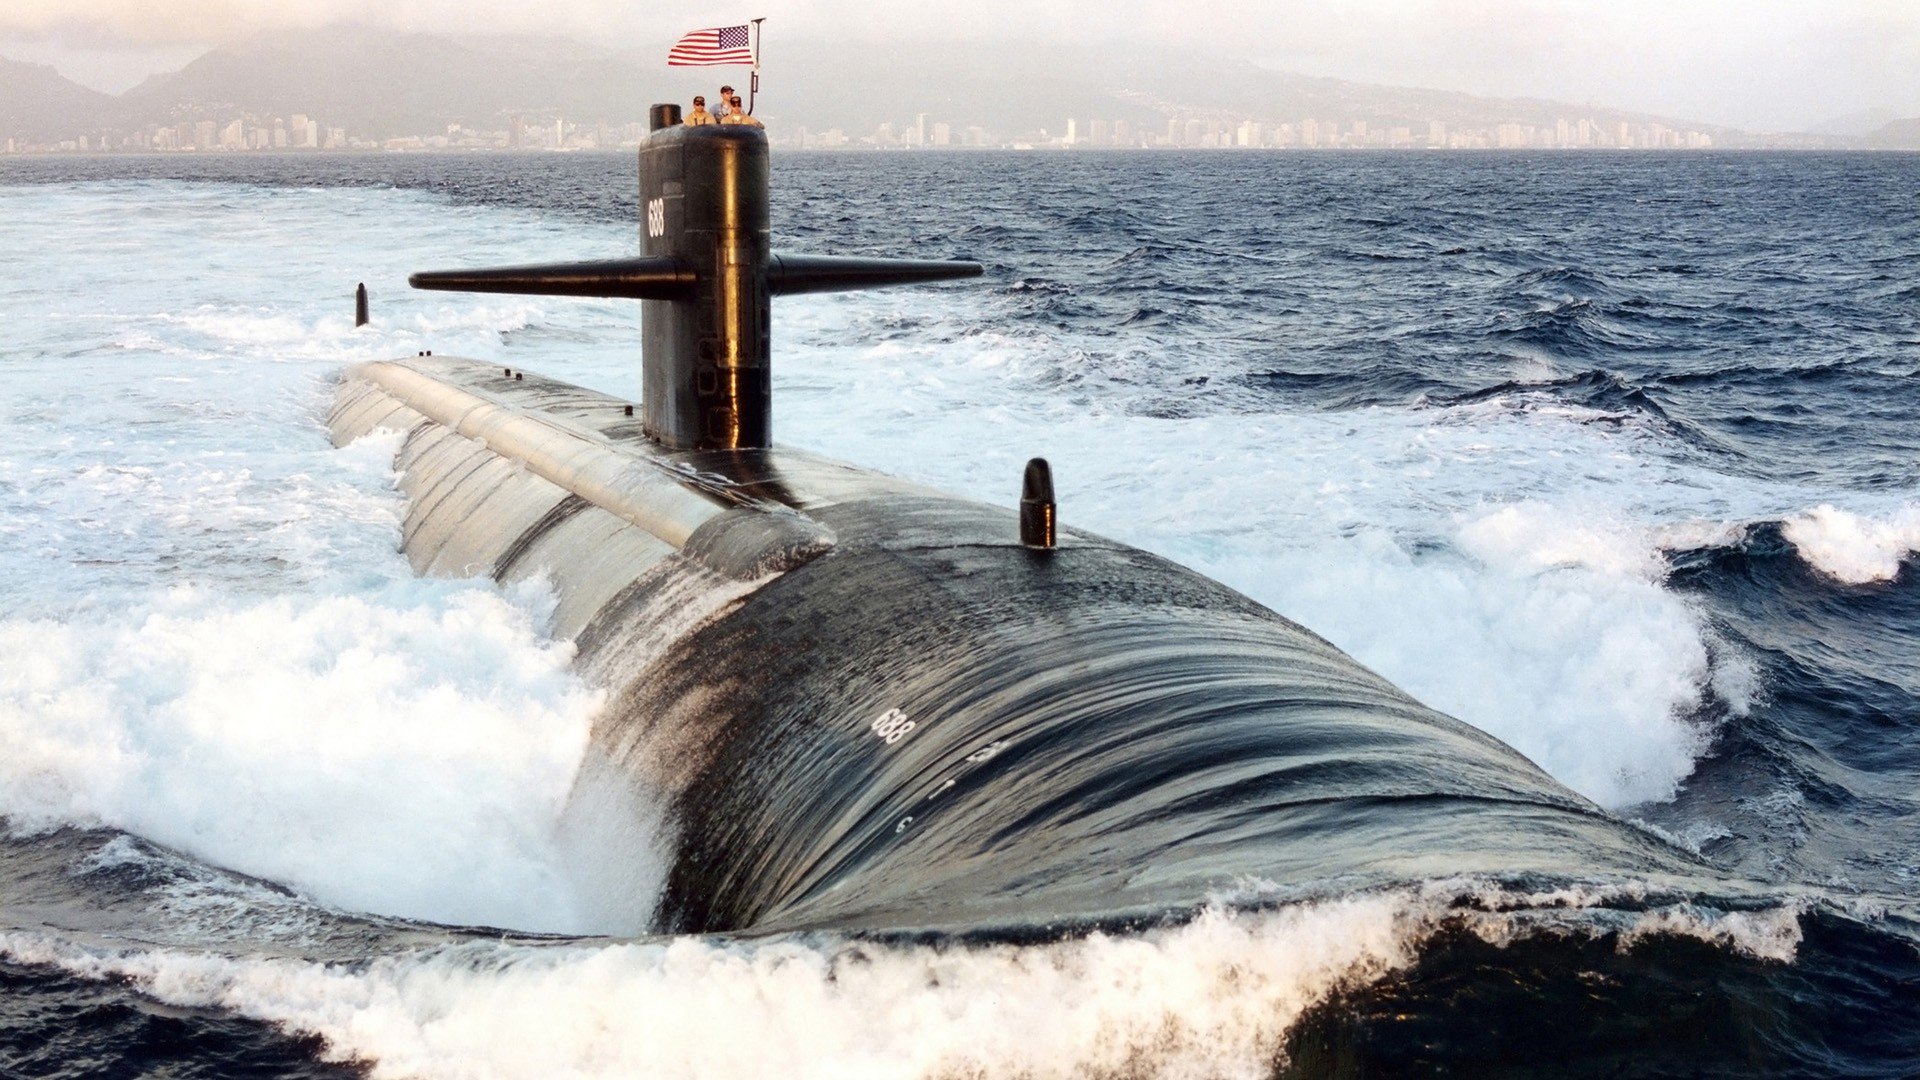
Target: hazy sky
1762 64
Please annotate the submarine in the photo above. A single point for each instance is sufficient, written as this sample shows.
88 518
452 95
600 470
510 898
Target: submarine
871 706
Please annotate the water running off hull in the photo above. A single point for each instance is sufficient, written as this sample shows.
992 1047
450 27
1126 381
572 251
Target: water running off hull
871 706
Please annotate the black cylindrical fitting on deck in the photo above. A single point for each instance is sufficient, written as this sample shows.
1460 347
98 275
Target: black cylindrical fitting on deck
360 305
1036 506
662 116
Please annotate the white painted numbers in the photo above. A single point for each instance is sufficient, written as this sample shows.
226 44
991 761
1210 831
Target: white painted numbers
892 726
987 751
656 217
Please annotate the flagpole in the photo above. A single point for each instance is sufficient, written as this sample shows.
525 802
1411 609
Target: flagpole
753 84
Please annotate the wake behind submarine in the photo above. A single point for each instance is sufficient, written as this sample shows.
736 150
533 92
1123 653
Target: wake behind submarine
871 706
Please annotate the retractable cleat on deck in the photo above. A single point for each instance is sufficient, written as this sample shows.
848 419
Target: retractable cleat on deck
865 704
707 276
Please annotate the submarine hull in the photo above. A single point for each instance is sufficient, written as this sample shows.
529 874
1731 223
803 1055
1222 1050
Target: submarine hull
865 705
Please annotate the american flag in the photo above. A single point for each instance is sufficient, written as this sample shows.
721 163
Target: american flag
712 47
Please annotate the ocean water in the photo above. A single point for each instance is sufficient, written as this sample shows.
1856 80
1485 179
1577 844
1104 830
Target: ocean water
1613 457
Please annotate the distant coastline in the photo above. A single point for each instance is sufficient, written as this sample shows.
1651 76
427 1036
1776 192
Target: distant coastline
335 89
299 134
790 145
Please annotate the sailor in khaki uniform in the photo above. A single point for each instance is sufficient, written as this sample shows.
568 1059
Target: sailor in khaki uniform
738 115
699 115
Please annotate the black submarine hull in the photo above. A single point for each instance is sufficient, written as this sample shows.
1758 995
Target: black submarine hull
867 706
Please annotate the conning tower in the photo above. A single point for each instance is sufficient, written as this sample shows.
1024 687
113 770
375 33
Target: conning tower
708 275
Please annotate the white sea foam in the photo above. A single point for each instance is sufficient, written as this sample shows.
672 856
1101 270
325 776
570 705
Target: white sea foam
1770 934
1596 676
1504 915
408 753
1212 998
1855 548
212 641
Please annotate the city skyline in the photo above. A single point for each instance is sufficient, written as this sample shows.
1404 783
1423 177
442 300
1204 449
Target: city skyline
330 89
300 131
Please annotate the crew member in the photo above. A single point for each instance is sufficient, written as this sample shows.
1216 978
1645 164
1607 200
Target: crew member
720 103
738 115
699 115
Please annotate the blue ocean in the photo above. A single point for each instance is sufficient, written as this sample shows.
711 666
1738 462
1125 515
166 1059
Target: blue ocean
1611 456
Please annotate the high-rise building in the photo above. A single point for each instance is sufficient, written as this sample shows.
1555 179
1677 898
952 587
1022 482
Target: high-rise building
1436 133
233 136
942 134
203 135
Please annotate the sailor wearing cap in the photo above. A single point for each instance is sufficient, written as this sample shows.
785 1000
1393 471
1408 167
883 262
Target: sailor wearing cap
699 115
720 103
738 115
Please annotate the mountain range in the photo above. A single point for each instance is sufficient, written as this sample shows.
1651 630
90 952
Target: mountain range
378 84
36 102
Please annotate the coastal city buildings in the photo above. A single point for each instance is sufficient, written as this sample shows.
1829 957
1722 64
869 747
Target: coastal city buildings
1191 130
1220 131
303 132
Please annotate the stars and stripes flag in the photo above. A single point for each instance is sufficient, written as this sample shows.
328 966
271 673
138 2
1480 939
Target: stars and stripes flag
712 47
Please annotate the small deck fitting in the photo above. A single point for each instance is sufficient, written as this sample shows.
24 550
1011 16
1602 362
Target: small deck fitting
1036 506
